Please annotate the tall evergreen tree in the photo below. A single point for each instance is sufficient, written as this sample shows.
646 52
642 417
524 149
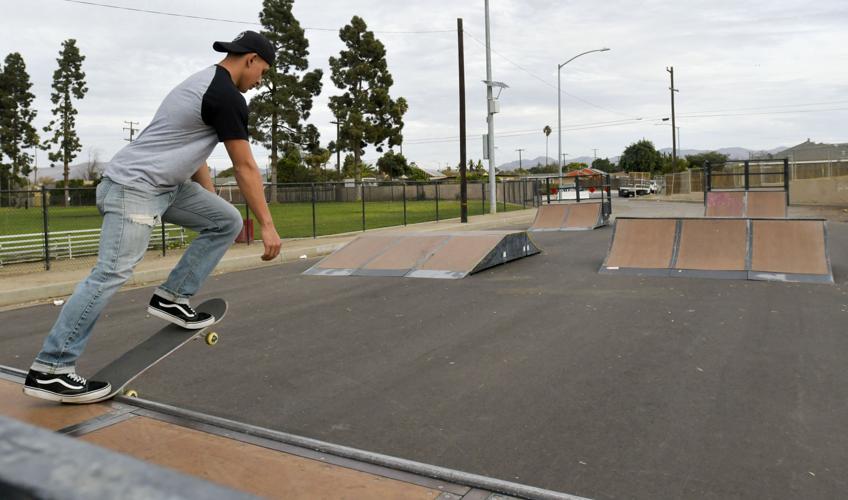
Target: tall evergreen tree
285 102
68 83
16 115
368 115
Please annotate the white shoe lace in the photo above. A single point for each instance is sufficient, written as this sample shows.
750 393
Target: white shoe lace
76 378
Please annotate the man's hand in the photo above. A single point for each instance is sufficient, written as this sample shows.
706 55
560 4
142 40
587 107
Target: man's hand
250 183
272 242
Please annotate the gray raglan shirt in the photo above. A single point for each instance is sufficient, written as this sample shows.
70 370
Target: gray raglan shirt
205 109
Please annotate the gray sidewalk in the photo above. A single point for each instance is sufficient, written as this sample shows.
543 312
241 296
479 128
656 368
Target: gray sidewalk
24 289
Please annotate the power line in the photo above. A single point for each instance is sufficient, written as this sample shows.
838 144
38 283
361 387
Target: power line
220 20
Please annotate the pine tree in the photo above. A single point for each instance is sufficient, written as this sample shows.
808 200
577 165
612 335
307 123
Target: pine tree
278 112
16 116
367 113
68 83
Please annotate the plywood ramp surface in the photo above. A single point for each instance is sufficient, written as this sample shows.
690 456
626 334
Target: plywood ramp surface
790 246
583 215
642 243
550 216
766 204
41 413
713 244
725 204
246 467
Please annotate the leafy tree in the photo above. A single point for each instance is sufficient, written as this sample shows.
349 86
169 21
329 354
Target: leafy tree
285 101
575 165
545 169
667 166
352 167
392 165
416 174
602 164
641 156
17 134
714 157
317 159
68 83
290 168
367 113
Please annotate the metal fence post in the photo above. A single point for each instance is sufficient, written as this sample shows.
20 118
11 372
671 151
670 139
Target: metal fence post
503 188
524 193
786 179
747 176
577 186
363 205
483 190
437 202
709 184
404 202
314 225
44 209
548 188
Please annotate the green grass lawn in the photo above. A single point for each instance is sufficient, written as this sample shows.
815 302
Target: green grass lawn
293 220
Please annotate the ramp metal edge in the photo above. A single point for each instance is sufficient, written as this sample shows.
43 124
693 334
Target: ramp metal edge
401 464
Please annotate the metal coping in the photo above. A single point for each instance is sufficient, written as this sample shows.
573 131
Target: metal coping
714 274
127 407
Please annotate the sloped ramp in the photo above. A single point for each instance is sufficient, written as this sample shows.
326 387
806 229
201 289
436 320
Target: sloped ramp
425 255
569 217
753 204
736 248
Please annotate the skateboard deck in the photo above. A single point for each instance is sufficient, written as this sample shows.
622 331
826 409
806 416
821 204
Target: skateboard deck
140 358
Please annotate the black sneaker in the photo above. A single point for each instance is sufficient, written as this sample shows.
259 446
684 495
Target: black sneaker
179 314
65 388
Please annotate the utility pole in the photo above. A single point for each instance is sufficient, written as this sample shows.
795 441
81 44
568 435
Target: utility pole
670 70
519 157
490 102
596 152
339 150
131 130
463 186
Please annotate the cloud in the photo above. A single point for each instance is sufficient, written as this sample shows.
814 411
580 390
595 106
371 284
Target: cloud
727 55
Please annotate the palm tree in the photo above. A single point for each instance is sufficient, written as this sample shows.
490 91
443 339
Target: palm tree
547 130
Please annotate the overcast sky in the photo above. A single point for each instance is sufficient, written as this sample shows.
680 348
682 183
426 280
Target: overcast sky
756 74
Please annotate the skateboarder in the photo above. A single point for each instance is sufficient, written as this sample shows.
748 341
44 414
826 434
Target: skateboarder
163 176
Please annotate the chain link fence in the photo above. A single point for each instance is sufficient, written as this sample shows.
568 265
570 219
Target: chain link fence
57 229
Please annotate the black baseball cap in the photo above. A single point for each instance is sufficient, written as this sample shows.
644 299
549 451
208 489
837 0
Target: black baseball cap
246 42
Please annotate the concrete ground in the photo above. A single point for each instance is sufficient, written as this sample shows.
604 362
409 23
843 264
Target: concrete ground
540 371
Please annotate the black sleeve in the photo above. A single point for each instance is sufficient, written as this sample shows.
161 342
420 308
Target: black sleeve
224 108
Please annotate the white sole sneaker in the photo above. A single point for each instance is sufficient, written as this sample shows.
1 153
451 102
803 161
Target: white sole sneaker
60 398
179 321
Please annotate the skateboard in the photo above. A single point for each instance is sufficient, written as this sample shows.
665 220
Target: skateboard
140 358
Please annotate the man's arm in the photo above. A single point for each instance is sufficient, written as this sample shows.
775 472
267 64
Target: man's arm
249 180
203 178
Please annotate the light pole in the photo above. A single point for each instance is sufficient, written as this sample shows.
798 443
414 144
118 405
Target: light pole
559 101
338 150
675 127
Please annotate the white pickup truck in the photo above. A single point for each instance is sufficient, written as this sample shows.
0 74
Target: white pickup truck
635 187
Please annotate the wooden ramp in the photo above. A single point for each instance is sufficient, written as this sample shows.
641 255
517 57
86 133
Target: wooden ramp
132 448
425 255
569 217
736 248
755 204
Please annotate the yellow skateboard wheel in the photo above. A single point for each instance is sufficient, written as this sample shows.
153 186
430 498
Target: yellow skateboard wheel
211 338
130 393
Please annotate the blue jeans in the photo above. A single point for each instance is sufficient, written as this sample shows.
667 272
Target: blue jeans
129 217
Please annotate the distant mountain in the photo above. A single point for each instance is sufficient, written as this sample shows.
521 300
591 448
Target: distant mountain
540 160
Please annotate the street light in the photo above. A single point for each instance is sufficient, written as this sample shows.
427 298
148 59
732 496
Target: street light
559 100
677 128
